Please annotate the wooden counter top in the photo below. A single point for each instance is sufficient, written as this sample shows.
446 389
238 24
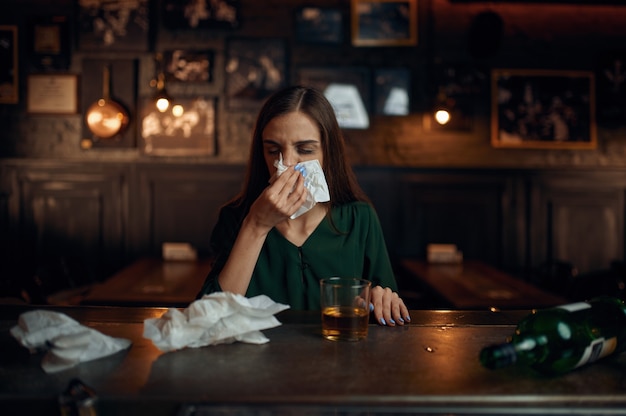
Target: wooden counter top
430 366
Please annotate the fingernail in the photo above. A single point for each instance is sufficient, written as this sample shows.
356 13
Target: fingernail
371 307
408 318
392 321
382 321
401 320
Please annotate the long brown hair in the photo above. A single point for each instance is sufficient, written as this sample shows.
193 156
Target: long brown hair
340 177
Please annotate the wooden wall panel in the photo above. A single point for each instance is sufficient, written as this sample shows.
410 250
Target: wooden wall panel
181 204
471 211
578 220
113 213
76 213
586 232
5 192
382 189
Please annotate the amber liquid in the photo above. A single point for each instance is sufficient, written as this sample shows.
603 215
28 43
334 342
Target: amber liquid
344 323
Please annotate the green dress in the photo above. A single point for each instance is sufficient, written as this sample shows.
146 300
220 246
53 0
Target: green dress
352 245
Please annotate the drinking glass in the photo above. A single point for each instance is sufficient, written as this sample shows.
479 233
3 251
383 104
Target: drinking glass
345 308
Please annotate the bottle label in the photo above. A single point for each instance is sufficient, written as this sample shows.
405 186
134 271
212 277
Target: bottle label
598 348
574 307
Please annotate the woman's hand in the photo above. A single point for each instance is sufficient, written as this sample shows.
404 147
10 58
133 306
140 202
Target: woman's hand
276 204
389 309
279 200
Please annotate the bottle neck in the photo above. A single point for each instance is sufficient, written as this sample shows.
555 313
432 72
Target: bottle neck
498 356
507 354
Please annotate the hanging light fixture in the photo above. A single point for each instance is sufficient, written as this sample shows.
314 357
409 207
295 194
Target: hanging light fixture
161 98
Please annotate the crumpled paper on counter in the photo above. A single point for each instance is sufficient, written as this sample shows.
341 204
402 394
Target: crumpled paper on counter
216 318
67 342
315 183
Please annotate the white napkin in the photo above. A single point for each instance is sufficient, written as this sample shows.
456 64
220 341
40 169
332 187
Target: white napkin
315 183
68 342
216 318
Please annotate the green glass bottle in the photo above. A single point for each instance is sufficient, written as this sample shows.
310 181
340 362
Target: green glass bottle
559 339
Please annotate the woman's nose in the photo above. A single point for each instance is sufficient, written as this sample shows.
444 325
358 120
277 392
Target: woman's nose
290 159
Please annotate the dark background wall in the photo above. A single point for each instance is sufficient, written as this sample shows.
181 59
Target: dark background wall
519 209
451 35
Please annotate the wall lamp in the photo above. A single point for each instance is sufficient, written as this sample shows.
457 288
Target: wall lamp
442 112
442 116
160 98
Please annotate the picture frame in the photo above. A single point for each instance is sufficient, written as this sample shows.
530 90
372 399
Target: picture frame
255 68
189 66
113 25
384 22
49 43
348 89
392 91
319 25
9 70
192 14
52 94
543 109
187 128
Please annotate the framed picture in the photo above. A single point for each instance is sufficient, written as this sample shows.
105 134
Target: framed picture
113 25
8 65
49 43
255 68
384 22
52 94
188 65
319 25
347 89
392 91
544 109
194 14
187 128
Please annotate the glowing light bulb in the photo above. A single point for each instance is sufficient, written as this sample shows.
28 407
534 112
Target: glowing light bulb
162 104
178 110
442 116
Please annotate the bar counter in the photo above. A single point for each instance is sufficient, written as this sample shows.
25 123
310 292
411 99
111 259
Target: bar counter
427 367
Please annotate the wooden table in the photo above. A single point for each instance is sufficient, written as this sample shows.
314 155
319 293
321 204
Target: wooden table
151 282
428 367
476 285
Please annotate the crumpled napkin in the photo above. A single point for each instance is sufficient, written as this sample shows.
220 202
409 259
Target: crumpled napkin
315 183
216 318
67 341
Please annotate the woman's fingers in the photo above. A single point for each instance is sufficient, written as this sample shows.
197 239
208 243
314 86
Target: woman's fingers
280 199
389 308
289 194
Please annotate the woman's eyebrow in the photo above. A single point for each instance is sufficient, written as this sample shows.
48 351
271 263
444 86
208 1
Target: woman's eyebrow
300 142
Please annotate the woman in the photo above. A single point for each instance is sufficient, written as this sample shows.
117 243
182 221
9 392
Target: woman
259 249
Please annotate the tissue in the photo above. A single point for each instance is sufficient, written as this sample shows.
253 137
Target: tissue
67 342
216 318
315 183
